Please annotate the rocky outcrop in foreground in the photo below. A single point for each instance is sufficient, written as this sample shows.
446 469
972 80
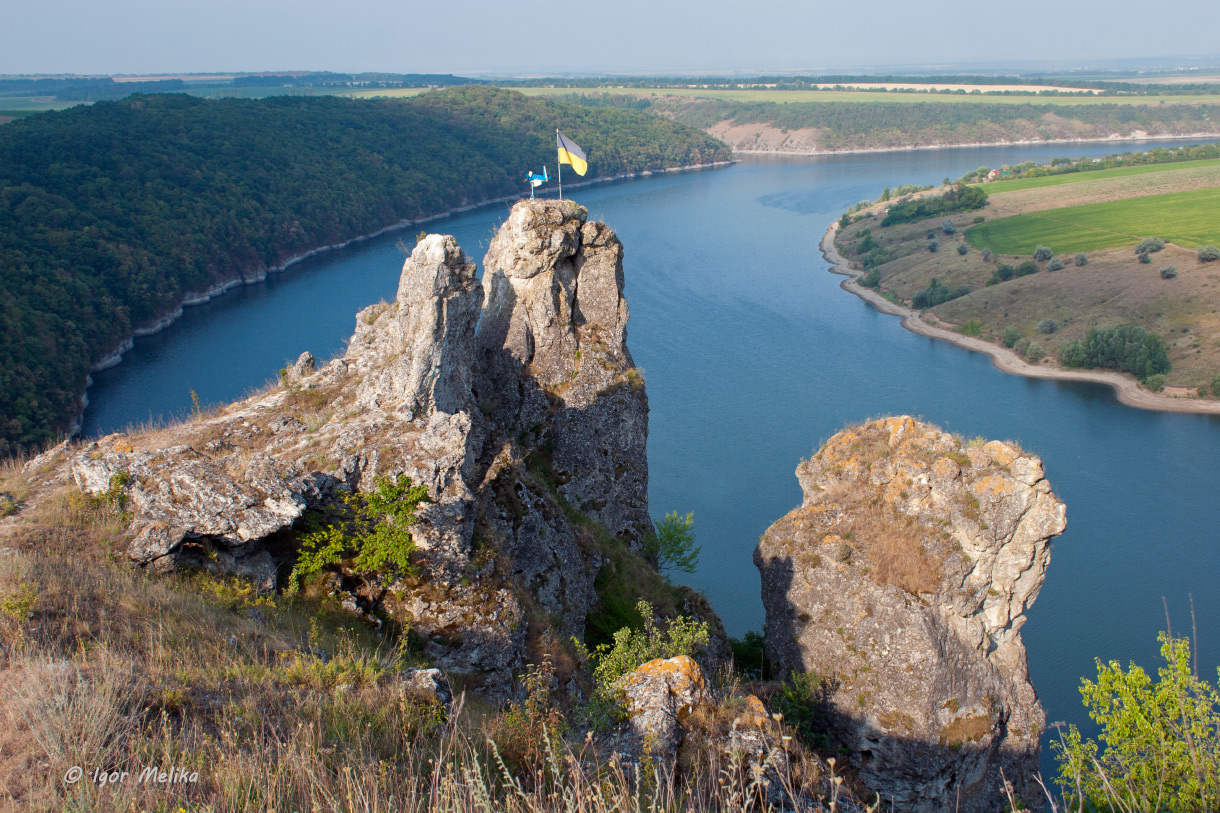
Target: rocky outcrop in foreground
903 581
513 401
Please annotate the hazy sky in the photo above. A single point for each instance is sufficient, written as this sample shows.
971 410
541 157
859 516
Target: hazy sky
524 36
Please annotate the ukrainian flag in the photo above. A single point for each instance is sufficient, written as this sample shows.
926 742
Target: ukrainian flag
571 154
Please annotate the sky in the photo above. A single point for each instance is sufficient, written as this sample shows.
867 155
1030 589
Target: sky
523 37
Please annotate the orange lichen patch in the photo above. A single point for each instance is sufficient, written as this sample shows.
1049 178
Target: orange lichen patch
1001 453
899 425
946 469
755 714
993 486
832 539
681 675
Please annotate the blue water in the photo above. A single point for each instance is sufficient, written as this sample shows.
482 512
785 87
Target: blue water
753 356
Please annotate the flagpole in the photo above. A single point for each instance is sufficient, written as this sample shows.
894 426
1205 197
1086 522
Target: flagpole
559 164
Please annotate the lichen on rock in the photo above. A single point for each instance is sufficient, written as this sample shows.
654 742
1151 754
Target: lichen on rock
903 579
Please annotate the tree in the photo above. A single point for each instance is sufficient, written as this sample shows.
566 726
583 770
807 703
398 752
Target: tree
961 249
1010 336
673 546
1161 739
947 227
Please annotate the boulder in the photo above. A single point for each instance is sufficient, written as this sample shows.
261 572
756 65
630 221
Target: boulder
903 580
659 696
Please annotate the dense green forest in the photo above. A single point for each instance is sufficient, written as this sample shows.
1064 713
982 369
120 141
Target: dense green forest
109 213
847 125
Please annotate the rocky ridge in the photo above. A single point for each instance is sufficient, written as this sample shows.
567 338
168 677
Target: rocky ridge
903 580
514 401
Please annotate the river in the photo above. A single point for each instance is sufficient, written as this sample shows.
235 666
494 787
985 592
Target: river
753 356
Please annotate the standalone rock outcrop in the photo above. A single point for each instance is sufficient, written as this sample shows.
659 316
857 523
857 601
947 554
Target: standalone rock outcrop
512 413
903 581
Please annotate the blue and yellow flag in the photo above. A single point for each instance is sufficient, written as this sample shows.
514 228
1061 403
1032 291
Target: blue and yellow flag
571 154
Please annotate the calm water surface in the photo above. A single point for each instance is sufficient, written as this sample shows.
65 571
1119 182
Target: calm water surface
753 357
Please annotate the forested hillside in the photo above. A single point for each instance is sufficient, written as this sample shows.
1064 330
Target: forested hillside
880 125
110 213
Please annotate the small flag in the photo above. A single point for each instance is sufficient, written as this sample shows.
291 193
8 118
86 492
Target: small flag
571 154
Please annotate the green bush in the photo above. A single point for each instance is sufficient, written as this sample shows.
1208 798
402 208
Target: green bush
931 234
1034 351
948 228
933 246
936 294
631 649
1027 268
1043 253
1216 386
1082 259
957 199
1149 245
1169 272
803 702
973 327
987 255
373 528
1209 254
1047 326
871 280
978 219
1145 258
1054 265
1128 348
1154 383
961 249
672 543
1159 741
750 656
1010 336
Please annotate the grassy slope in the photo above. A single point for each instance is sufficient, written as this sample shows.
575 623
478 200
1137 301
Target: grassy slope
1113 289
997 187
1187 218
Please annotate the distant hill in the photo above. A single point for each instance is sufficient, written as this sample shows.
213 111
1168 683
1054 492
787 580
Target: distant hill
111 213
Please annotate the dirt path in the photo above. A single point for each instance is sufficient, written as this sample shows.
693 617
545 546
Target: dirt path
1125 387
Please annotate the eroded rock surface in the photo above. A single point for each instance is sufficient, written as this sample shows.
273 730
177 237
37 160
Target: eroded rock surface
903 579
503 410
658 697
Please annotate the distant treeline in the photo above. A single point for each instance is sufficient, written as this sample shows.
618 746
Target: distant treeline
850 125
110 213
377 80
1067 166
812 82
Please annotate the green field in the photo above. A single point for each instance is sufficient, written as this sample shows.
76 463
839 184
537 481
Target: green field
784 96
1190 219
996 187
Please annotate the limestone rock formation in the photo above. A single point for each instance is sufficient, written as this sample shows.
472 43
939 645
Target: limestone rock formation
553 349
903 580
511 414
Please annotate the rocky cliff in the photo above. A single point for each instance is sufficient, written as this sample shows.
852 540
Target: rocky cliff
513 401
903 581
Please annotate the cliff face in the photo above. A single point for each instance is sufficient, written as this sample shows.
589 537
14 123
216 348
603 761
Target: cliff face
504 410
903 580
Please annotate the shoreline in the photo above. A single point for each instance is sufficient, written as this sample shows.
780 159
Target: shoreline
1017 143
1127 390
203 296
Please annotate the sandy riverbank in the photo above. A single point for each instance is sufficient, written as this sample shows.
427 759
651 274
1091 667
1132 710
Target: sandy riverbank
1125 387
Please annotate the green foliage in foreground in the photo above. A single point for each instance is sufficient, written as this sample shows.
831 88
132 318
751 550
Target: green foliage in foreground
957 199
633 648
1185 218
672 546
1129 348
111 212
1159 746
375 530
